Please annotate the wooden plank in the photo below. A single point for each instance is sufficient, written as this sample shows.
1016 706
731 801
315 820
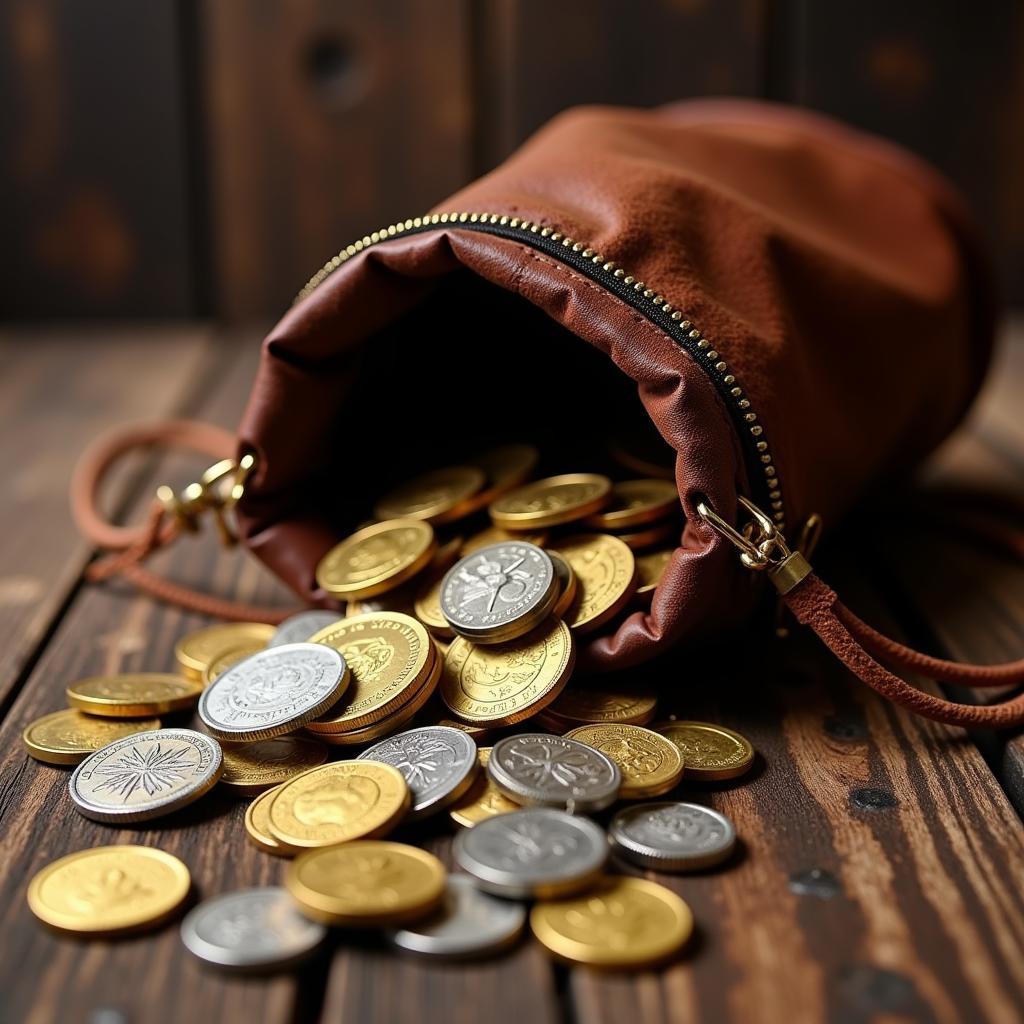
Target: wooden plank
325 122
59 390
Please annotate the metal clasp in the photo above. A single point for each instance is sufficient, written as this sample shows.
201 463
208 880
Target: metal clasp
216 491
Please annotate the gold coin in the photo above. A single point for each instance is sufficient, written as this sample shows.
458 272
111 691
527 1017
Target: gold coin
649 570
493 535
635 502
504 468
502 684
69 737
133 694
478 732
656 535
196 650
367 883
376 558
604 702
710 752
606 571
338 802
428 609
567 584
650 763
223 660
257 824
438 496
625 922
549 502
389 654
483 799
109 890
250 768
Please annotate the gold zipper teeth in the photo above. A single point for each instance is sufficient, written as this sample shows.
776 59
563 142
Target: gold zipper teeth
714 363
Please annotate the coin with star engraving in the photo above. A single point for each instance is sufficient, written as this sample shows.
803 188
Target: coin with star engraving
551 502
650 763
251 768
672 836
274 692
535 853
439 496
606 572
68 737
710 752
376 558
438 764
300 627
133 694
146 776
483 799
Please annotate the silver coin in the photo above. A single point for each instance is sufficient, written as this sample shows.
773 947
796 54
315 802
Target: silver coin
273 692
500 592
551 771
536 853
672 836
439 764
146 775
469 923
253 928
299 628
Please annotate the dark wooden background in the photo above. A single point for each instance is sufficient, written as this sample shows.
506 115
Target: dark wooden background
203 157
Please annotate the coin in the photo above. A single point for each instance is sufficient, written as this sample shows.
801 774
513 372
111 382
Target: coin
257 824
196 650
672 836
338 802
493 535
505 467
552 771
251 768
146 776
532 853
68 737
603 702
251 929
227 658
565 578
655 535
650 568
133 695
710 752
550 502
376 558
274 692
109 890
367 883
483 799
390 655
635 502
427 607
438 765
499 592
650 763
299 628
606 571
468 923
506 683
438 496
626 922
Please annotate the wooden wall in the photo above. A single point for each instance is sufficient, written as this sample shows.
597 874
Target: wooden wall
203 157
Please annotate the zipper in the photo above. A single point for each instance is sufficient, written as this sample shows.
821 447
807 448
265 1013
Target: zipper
645 300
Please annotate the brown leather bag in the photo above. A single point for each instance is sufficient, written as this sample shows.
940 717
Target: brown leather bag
801 309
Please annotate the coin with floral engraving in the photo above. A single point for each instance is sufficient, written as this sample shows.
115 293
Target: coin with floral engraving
299 628
550 502
536 853
251 929
499 592
672 836
251 768
196 650
552 771
133 694
274 692
68 737
710 752
606 573
146 776
483 799
376 558
438 764
650 763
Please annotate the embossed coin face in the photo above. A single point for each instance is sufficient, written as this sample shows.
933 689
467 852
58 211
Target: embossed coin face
483 799
251 768
537 852
672 836
68 737
438 765
367 883
710 752
650 764
438 496
336 803
274 692
625 923
376 558
634 502
549 502
553 771
250 929
606 572
299 628
650 567
257 824
603 702
468 923
499 592
502 684
146 776
109 890
196 650
133 694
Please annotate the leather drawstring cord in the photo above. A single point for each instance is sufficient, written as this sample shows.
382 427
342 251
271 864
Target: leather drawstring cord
130 546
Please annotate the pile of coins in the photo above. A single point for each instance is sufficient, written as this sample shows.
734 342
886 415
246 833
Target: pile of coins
446 641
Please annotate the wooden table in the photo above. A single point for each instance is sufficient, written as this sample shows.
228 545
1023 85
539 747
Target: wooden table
882 855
